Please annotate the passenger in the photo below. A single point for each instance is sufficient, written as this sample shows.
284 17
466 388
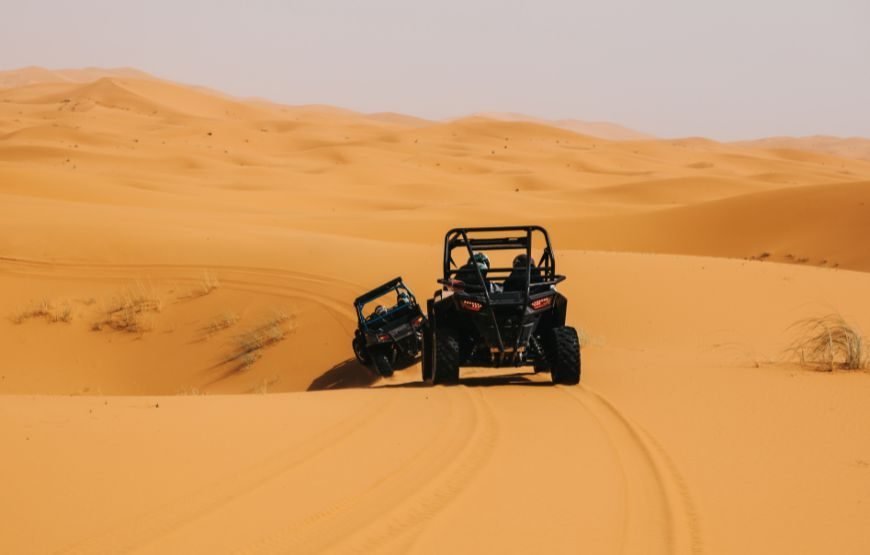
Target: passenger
403 299
516 281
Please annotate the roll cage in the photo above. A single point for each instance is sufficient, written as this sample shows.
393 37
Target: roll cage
395 284
499 238
463 237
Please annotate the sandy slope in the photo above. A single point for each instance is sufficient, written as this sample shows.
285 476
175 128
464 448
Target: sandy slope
600 129
218 218
816 225
851 147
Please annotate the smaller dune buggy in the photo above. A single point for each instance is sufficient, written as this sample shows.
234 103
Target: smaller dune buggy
390 330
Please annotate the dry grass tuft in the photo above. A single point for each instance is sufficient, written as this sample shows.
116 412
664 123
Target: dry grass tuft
46 310
130 310
249 345
215 325
191 392
828 343
262 388
208 283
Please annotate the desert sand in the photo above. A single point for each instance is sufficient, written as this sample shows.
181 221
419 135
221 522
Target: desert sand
148 227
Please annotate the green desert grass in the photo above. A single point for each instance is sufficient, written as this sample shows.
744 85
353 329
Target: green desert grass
829 342
46 310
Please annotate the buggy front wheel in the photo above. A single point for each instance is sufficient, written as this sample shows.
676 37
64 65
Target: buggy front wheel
427 356
446 364
359 349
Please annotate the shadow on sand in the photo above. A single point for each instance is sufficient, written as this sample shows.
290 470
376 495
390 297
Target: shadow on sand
350 374
344 375
484 381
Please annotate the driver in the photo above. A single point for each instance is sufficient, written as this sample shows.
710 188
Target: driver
379 312
468 272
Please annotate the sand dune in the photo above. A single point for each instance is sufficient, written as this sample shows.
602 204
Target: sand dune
149 230
818 225
34 75
600 129
852 147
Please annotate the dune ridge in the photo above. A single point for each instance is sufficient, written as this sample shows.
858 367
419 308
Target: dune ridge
600 129
846 147
177 268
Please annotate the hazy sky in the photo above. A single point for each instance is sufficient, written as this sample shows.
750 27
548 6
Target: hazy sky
726 69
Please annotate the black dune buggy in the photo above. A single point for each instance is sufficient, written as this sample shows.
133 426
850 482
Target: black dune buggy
390 336
499 316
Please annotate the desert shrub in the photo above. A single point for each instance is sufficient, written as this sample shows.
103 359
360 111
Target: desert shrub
248 346
208 283
828 343
220 323
46 310
129 310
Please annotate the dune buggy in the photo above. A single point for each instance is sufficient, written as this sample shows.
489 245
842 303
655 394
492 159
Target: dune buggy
500 316
391 336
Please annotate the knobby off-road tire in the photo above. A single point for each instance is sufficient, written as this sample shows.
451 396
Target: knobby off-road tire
359 349
564 355
427 356
382 364
446 367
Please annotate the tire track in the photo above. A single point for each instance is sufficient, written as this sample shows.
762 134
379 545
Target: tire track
397 507
235 278
15 265
618 461
408 526
660 515
138 531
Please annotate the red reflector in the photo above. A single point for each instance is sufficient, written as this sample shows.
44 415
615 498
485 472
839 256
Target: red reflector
544 302
468 304
383 337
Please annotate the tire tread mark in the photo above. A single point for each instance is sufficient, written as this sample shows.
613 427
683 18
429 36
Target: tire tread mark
158 522
683 531
367 530
415 523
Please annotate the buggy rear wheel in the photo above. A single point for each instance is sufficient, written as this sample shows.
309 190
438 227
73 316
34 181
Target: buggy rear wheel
564 355
446 361
382 364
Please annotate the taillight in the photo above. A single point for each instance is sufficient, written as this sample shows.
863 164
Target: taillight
416 322
468 304
384 337
543 302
